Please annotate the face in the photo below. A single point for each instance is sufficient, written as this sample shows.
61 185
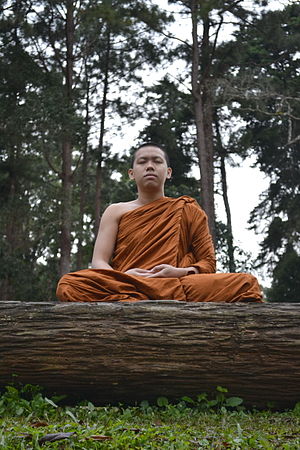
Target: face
150 167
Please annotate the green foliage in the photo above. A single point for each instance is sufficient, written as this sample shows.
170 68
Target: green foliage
260 88
286 280
26 401
29 420
244 261
170 116
220 403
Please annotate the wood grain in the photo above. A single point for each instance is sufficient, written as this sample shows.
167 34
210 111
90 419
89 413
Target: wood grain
127 352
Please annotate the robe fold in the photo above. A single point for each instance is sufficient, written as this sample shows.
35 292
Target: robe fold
166 231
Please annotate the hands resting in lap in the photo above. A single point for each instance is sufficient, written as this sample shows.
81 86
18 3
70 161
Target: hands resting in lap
161 271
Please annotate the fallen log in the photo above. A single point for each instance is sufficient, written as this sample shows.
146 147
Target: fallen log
127 352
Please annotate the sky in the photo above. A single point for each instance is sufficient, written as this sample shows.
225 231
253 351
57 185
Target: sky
245 185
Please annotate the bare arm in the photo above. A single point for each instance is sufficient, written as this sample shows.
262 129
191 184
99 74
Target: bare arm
106 239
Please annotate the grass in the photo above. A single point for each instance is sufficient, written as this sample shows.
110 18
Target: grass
32 421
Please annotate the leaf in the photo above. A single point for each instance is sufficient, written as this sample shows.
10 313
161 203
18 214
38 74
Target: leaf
297 408
201 397
38 424
135 430
188 399
100 437
162 401
19 411
47 400
221 389
234 401
144 404
52 437
69 413
90 406
26 436
213 402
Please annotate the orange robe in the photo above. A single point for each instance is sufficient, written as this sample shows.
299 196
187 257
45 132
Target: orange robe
166 231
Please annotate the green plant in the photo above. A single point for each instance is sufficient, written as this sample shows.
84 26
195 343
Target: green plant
27 400
186 425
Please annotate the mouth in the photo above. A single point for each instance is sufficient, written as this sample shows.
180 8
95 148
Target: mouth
150 175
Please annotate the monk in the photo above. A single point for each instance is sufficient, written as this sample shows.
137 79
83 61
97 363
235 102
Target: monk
155 247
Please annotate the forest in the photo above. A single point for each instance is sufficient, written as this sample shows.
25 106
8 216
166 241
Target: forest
76 76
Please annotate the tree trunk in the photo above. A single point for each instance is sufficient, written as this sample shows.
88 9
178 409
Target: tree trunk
65 259
127 352
83 185
229 234
101 138
65 241
202 104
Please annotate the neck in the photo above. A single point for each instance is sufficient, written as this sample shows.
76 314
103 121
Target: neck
148 197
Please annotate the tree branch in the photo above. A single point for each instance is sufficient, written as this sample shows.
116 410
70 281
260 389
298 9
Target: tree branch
277 114
296 139
49 162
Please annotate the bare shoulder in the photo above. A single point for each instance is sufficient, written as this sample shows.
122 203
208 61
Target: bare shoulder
116 210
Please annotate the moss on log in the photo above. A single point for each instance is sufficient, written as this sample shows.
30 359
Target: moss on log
127 352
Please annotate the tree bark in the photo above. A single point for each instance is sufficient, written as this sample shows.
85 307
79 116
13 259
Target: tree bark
229 234
202 108
67 181
83 184
101 137
127 352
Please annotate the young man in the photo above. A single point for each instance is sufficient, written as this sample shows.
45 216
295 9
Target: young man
155 247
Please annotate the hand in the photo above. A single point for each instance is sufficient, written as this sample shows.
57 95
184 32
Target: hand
138 272
167 271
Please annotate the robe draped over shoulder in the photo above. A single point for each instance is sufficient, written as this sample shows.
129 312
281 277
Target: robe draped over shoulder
166 231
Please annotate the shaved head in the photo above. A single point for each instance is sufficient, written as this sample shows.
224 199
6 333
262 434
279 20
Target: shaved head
150 144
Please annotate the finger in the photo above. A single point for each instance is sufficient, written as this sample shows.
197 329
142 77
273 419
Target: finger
157 268
159 274
143 274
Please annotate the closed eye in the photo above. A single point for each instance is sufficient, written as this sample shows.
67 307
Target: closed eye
143 161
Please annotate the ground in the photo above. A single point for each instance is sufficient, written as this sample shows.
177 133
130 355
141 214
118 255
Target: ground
201 423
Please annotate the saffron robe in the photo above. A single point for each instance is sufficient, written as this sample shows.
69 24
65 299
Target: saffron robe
166 231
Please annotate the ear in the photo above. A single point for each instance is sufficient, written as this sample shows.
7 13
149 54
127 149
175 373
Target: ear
169 173
130 174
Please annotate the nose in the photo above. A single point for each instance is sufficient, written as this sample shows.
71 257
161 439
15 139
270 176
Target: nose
149 165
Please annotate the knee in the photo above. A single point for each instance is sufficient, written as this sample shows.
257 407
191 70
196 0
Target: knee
63 287
254 292
251 280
